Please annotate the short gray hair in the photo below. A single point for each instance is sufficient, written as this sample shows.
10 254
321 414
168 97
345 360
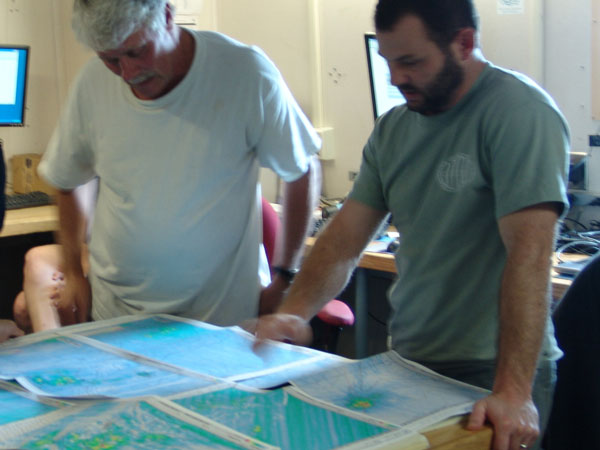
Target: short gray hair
106 24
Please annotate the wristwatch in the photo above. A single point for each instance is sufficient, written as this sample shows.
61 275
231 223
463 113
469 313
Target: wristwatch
287 274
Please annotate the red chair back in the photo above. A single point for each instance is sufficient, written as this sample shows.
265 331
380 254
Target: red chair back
336 314
271 224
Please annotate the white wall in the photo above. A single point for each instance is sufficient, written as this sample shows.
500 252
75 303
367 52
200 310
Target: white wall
549 41
54 59
196 14
31 23
281 28
514 40
288 32
284 28
568 66
346 92
71 53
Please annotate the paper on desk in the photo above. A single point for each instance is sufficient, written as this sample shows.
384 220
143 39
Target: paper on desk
379 245
61 366
145 424
143 355
220 352
391 388
288 419
19 404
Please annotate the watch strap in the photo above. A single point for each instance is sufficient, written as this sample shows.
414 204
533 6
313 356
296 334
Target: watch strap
286 274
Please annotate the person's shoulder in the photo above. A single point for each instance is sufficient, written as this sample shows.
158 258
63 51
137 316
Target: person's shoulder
93 77
221 46
218 40
92 68
392 116
390 122
511 88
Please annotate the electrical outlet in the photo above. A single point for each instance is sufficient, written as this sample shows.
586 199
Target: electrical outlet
595 140
352 175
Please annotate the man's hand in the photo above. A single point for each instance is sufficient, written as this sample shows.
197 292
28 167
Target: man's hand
8 329
284 328
515 421
75 301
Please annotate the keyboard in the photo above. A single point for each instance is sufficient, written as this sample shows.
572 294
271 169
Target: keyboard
28 200
317 226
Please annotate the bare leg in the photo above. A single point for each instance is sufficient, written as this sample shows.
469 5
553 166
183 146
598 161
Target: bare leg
42 283
20 313
8 330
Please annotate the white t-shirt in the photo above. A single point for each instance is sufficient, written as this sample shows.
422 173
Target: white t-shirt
177 222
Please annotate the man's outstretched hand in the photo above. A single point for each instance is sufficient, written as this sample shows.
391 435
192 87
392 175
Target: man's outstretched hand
280 327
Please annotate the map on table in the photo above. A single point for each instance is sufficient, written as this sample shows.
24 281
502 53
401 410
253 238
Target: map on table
287 419
149 424
65 367
215 351
391 388
17 404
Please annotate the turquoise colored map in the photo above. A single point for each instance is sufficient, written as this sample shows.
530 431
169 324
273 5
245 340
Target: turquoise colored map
387 387
218 352
14 407
126 425
73 369
281 419
335 402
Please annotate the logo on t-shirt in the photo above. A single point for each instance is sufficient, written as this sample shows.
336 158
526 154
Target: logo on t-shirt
456 172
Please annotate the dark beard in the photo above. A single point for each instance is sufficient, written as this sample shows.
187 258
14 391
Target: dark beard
437 94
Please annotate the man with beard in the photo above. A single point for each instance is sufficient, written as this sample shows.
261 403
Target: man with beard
473 170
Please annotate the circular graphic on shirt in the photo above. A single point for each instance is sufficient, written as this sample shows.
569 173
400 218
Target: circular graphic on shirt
456 172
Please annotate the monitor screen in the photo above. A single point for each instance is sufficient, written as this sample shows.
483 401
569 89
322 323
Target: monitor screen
13 84
383 94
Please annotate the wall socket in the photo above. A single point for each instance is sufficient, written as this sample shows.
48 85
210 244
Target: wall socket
352 175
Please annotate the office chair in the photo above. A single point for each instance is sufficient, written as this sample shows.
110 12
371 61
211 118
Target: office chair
334 316
575 414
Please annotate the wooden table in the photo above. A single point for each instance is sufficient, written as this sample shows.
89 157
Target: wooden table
45 218
447 435
385 262
30 220
452 435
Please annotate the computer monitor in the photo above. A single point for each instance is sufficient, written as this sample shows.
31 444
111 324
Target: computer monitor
384 95
14 61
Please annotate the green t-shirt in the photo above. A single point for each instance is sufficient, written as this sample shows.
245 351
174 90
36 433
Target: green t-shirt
447 179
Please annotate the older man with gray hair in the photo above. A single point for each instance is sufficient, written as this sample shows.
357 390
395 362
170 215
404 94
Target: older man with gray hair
176 140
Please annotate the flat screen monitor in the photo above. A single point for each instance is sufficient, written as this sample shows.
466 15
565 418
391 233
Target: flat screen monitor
14 61
384 95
